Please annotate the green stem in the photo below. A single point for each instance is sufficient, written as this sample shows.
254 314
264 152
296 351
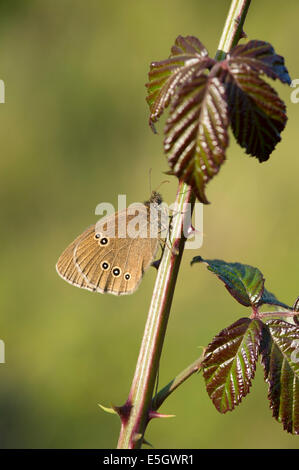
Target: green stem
135 413
232 32
233 28
283 313
164 393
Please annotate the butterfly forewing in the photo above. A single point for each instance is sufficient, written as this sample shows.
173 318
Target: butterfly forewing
99 260
66 267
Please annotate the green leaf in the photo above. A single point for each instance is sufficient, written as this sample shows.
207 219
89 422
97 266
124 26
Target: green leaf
296 309
270 299
280 358
197 132
230 363
187 57
260 56
256 112
245 283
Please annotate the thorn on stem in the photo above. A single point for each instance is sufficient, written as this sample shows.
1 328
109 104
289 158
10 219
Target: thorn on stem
192 231
242 33
144 441
137 436
155 414
123 411
110 410
175 248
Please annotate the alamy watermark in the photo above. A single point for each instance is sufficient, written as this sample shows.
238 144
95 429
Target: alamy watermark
2 91
295 93
2 352
295 353
150 220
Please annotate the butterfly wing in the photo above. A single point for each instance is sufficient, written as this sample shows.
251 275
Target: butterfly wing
66 267
116 266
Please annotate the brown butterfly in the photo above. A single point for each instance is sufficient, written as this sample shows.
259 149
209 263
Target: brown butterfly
100 261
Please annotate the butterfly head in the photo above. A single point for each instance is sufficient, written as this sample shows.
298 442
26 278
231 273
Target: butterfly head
155 199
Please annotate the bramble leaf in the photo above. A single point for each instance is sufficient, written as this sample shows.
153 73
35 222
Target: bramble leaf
187 57
296 309
270 299
230 363
257 114
197 132
205 96
245 283
280 358
260 56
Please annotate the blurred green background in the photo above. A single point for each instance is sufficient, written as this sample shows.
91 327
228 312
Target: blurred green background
74 133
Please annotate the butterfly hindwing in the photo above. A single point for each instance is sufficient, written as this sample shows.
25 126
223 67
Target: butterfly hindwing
99 261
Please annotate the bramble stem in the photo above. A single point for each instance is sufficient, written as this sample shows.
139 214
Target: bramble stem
138 403
283 313
135 413
233 28
164 393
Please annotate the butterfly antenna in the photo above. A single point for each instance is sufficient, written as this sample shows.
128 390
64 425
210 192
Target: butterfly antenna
150 180
165 181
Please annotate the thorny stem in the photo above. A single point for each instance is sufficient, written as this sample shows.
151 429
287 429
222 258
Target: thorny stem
164 393
233 28
135 413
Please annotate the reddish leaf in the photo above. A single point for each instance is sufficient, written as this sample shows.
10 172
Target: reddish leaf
296 309
256 112
196 132
187 57
230 363
270 299
259 56
280 358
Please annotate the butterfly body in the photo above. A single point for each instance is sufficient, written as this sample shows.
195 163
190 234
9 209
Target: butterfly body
104 259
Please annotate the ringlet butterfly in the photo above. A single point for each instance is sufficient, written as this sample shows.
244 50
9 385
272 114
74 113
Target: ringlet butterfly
99 261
